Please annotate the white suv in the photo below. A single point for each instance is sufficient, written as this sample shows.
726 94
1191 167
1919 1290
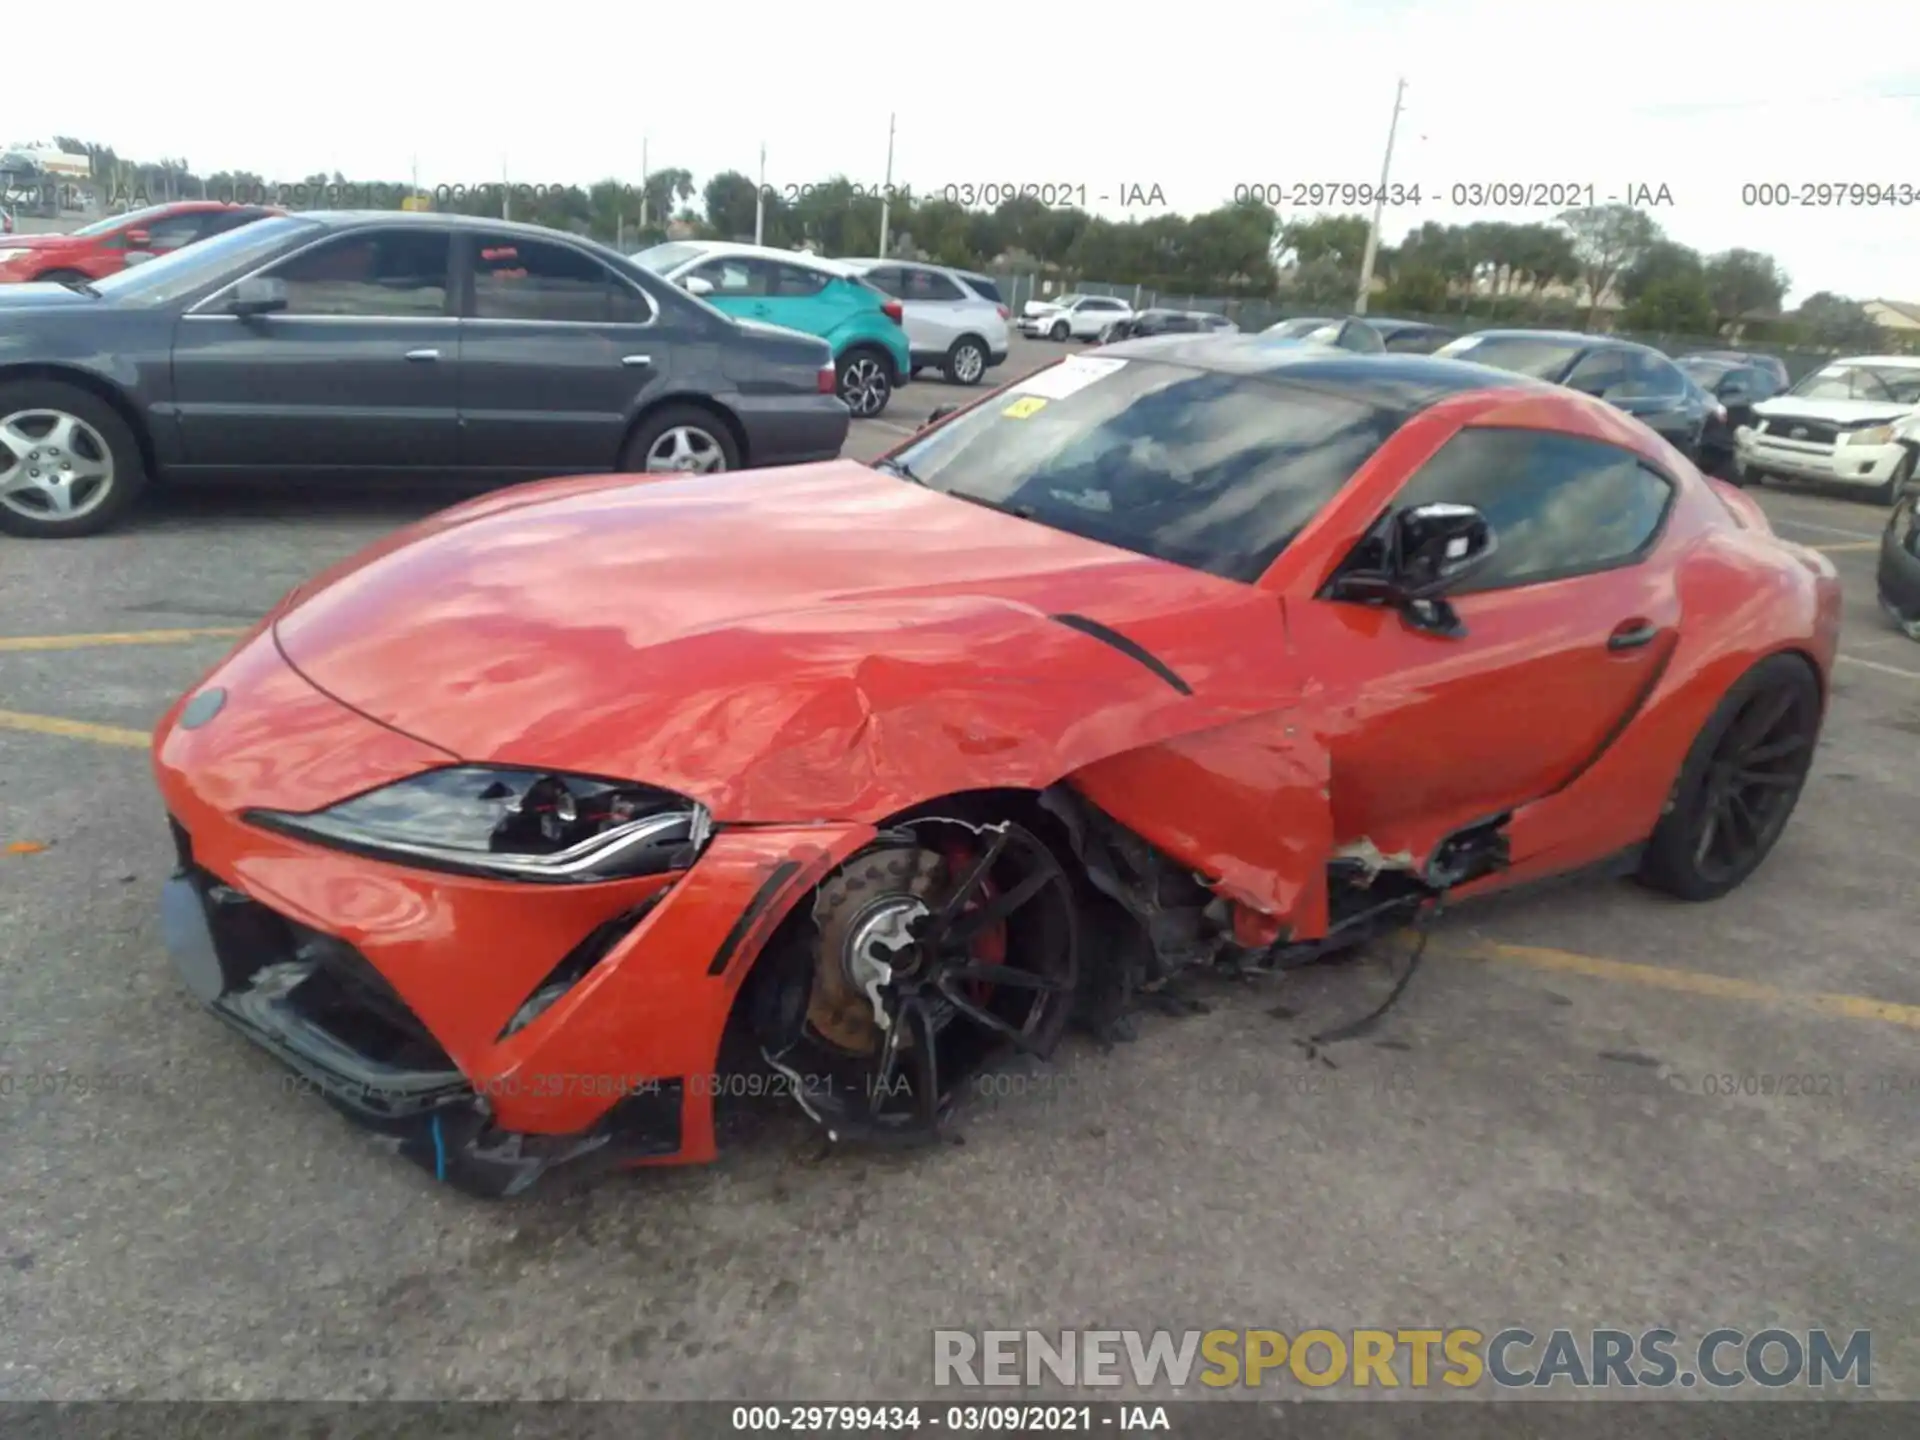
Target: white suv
1844 423
1083 317
955 320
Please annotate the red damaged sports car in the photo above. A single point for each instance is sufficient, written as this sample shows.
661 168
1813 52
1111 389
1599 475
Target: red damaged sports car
528 832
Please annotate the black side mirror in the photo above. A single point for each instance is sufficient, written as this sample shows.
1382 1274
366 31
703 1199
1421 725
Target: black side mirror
938 415
1422 553
257 296
1432 548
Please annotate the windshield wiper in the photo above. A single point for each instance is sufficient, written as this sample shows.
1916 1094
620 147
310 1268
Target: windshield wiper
902 469
1019 512
85 287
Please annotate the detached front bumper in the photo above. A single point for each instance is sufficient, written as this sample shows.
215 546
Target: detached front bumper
397 994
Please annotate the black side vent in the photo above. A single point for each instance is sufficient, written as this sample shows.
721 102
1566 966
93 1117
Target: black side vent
1129 648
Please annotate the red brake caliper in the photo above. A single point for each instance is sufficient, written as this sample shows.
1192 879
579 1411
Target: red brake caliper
990 945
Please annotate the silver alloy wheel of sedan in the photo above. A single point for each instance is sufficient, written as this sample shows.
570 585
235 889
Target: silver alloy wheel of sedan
53 466
685 449
863 385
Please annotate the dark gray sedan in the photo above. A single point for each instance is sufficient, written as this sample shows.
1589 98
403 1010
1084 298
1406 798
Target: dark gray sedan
385 344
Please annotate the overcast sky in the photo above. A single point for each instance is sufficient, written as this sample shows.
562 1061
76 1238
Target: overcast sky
1194 99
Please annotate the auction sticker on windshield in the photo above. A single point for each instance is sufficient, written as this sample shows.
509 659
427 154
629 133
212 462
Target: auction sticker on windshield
1069 377
1023 407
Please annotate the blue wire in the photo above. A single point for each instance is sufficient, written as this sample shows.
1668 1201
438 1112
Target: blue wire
439 1151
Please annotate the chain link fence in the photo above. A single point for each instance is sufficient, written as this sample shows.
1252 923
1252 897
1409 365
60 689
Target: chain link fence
1254 313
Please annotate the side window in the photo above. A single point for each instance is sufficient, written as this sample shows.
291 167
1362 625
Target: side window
794 281
174 231
1559 505
1361 338
984 288
370 272
1647 377
1413 340
734 278
1598 372
1759 383
890 278
221 221
515 278
932 285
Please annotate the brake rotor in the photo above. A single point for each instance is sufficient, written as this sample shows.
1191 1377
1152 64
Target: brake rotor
861 911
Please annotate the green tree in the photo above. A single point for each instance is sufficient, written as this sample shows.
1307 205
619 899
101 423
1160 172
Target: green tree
1837 323
1607 239
729 199
1661 262
1744 283
1675 304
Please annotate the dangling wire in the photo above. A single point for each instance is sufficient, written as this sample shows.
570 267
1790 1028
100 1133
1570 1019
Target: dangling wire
1354 1029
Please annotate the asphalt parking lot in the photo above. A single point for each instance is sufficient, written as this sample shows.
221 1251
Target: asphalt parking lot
1587 1110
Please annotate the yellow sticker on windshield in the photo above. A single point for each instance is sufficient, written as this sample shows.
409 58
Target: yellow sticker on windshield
1023 407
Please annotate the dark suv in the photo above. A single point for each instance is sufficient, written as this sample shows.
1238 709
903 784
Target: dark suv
1737 383
1635 378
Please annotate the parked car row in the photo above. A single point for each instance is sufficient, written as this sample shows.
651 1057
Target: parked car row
385 344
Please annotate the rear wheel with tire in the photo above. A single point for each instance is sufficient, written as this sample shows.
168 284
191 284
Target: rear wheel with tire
680 439
966 361
69 464
865 381
1740 783
60 277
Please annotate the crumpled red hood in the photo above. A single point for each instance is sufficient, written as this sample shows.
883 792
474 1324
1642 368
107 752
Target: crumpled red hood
737 637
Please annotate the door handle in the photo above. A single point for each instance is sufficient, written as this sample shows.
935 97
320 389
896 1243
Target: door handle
423 354
636 360
1632 635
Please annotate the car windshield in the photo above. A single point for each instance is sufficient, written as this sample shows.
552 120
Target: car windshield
662 258
1898 384
180 272
1298 329
1213 471
1542 358
1065 300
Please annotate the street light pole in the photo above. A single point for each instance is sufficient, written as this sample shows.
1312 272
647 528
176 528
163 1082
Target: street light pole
886 192
1379 202
643 183
760 198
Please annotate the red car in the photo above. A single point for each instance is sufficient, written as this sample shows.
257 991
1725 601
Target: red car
542 826
108 246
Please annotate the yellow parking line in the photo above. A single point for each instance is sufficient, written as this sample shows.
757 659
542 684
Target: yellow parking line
74 729
122 637
1848 545
1699 982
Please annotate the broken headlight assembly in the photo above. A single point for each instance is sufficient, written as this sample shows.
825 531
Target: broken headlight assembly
511 824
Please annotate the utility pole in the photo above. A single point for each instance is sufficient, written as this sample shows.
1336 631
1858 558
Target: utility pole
1379 202
506 198
886 193
760 198
643 184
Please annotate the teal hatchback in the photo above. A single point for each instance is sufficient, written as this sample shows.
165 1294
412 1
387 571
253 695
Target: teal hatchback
865 326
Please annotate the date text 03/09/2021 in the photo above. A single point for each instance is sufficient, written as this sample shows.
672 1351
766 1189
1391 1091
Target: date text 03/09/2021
1007 1419
1460 194
1052 194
